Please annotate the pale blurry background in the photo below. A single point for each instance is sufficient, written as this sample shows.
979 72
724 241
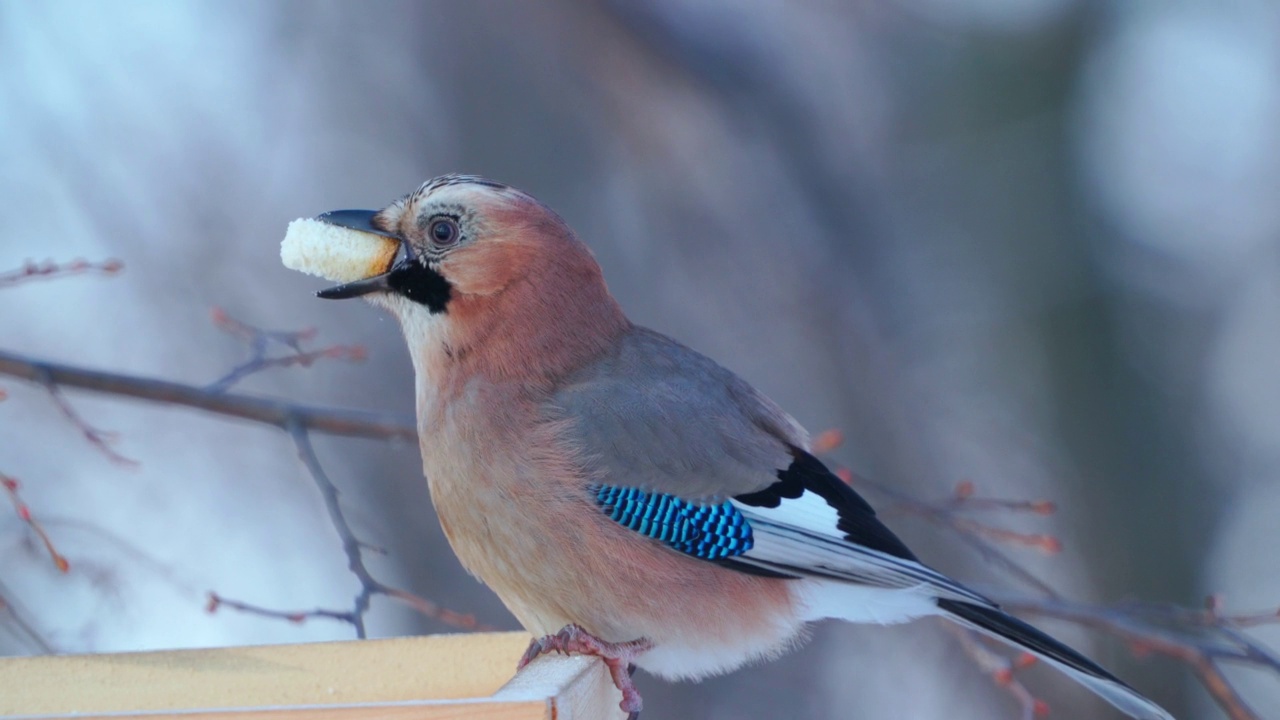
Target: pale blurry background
1031 243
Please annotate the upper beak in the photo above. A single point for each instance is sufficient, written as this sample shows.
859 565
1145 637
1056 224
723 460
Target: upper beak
361 220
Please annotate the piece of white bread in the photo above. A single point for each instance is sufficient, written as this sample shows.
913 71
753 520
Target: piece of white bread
335 253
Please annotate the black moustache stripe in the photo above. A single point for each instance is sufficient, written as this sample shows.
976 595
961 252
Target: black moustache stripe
421 284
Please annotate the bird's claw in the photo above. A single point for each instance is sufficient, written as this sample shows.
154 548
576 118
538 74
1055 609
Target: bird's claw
573 640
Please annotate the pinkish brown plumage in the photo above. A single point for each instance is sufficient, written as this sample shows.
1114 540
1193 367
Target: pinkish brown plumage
491 368
622 494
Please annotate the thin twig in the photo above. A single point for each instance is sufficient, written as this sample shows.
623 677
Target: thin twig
997 557
1210 616
100 439
141 557
1000 669
277 413
217 602
305 359
17 619
352 547
946 516
10 486
426 608
32 270
261 342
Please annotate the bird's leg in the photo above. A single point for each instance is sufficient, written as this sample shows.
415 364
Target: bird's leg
631 672
572 639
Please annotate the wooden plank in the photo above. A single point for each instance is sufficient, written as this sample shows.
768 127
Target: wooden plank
399 669
431 710
584 690
441 677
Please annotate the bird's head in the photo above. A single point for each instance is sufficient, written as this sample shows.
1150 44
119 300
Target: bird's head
482 261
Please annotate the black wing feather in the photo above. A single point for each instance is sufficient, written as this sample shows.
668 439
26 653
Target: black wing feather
857 519
1004 625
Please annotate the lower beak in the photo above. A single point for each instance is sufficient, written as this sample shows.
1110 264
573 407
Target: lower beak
356 289
363 221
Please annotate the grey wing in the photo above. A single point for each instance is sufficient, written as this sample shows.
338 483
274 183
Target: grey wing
658 415
689 454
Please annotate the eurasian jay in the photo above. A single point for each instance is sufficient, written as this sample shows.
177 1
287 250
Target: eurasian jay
622 494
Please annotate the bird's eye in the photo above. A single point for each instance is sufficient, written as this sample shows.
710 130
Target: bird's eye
443 232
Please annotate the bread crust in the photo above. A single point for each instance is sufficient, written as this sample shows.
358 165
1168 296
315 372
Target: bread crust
335 253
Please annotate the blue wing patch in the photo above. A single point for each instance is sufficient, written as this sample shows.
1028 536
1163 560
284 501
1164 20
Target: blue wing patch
709 532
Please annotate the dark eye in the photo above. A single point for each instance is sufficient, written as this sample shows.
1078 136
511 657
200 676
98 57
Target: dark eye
443 231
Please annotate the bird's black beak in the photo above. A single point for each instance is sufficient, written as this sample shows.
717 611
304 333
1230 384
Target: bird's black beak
355 289
362 220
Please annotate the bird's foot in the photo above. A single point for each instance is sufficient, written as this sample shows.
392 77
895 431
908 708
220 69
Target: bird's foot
573 640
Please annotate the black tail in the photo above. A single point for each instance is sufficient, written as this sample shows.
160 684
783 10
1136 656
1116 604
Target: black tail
995 622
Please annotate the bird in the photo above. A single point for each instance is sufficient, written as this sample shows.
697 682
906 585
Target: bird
624 495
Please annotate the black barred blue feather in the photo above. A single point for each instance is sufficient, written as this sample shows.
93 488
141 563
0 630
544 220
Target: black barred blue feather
709 532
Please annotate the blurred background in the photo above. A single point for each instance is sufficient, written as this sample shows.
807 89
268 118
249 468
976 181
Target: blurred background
1027 243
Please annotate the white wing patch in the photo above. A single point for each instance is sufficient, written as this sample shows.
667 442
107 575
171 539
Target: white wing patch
810 512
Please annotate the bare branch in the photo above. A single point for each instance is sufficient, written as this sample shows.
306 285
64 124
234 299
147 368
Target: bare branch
277 413
1148 634
1200 638
352 546
31 270
298 421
